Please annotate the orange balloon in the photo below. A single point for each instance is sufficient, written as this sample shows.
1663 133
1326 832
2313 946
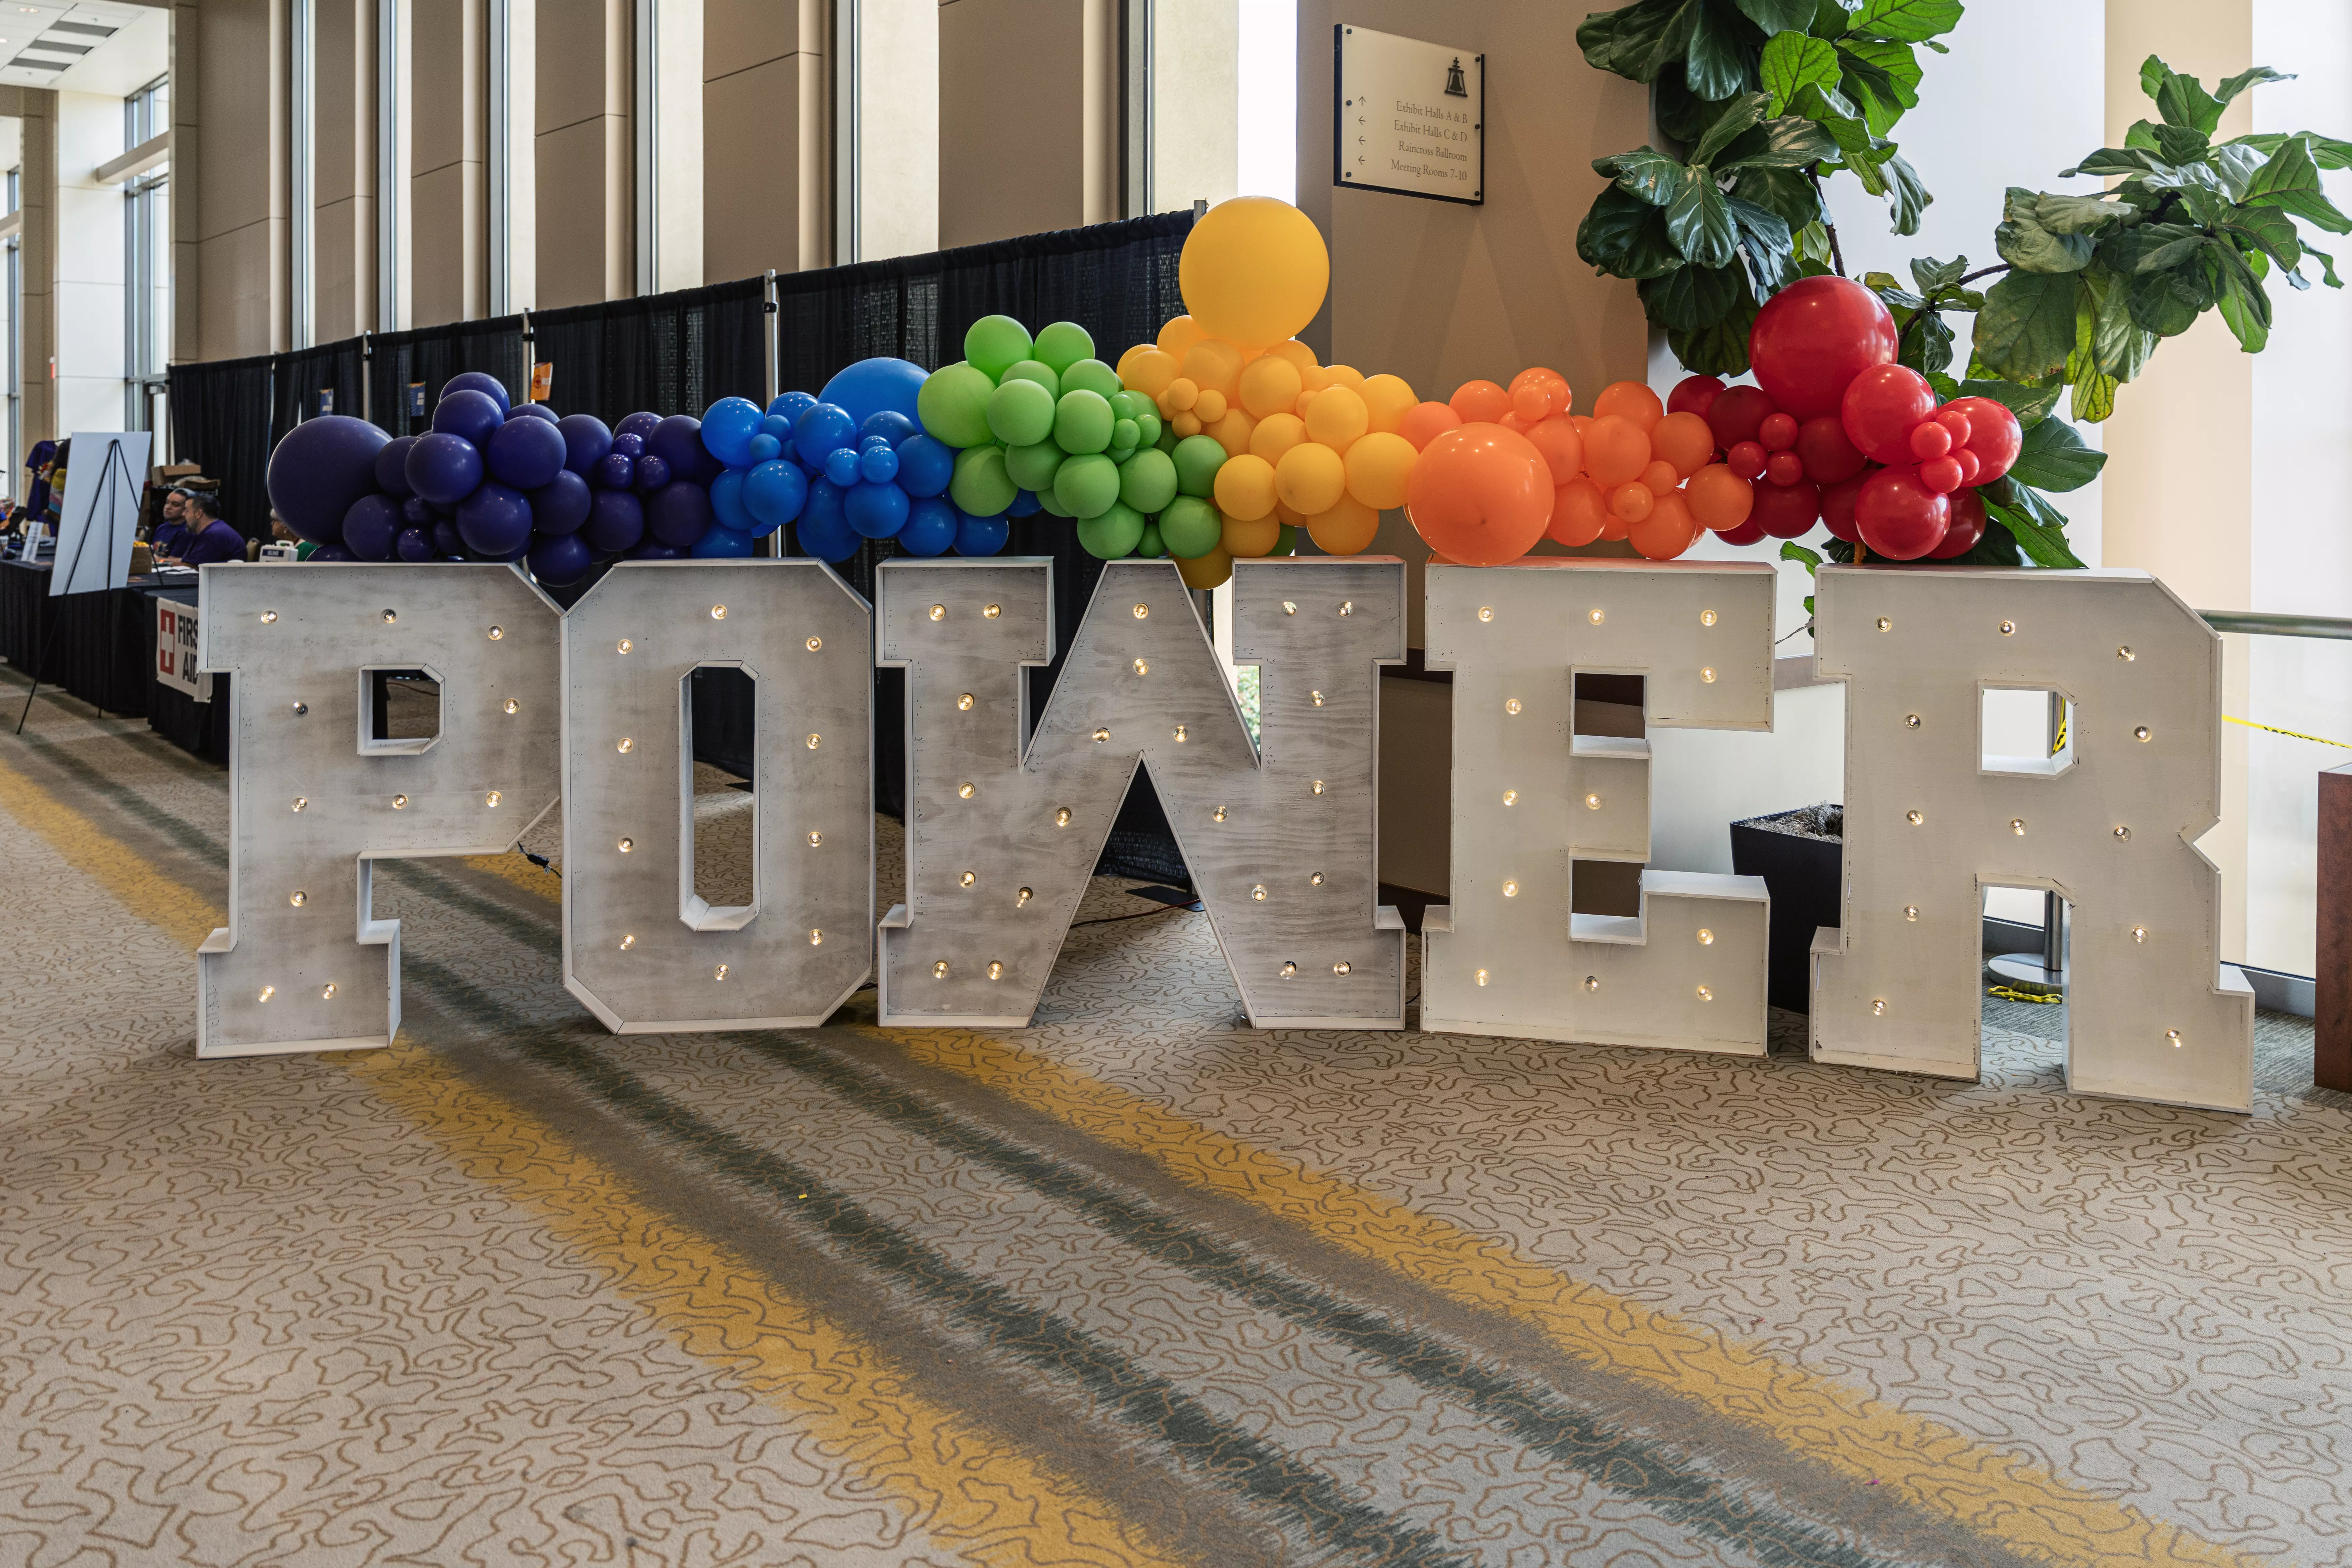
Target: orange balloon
1252 538
1583 422
1178 335
1310 478
1537 393
1612 530
1347 529
1480 495
1659 477
1285 512
1337 417
1666 532
1244 490
1512 421
1333 375
1480 401
1179 395
1185 424
1630 400
1206 571
1719 498
1386 399
1147 369
1213 363
1563 448
1270 385
1683 440
1276 434
1379 466
1616 451
1210 405
1425 421
1632 502
1294 350
1233 432
1578 512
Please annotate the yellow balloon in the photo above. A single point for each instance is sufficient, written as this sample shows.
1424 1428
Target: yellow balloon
1269 385
1386 399
1297 352
1185 424
1276 434
1310 478
1215 365
1206 571
1289 514
1178 335
1253 270
1246 490
1333 375
1210 405
1147 369
1378 467
1347 529
1233 432
1337 417
1252 537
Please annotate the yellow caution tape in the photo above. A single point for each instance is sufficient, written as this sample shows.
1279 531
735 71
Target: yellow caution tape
2290 734
2013 995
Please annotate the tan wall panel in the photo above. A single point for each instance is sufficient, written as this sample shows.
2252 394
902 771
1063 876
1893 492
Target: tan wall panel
585 247
343 245
36 196
244 302
582 51
446 205
1013 118
761 155
241 77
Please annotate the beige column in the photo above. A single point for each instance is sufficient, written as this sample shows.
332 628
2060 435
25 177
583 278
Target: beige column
2180 446
188 188
240 175
585 239
343 169
37 335
767 136
1029 121
449 200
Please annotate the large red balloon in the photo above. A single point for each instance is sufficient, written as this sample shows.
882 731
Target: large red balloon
1830 458
1813 338
1787 511
1967 527
1837 508
1735 415
1480 494
1899 517
1994 436
1880 409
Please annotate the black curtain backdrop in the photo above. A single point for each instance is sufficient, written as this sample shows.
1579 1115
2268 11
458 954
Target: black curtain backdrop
221 418
428 356
328 379
664 353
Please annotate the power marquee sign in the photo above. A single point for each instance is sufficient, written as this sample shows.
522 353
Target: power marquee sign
1007 811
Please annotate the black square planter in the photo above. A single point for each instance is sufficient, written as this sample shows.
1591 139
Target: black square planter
1801 873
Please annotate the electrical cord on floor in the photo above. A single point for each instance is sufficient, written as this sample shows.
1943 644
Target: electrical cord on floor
542 862
1138 915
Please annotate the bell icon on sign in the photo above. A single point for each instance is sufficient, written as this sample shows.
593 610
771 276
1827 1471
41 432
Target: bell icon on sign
1454 86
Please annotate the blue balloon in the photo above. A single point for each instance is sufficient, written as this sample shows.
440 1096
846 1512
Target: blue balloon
476 416
446 543
371 526
640 424
931 525
561 560
655 550
727 426
539 410
890 425
765 449
560 505
630 443
878 465
827 539
824 508
678 514
526 453
926 464
722 543
392 467
652 473
415 545
873 385
618 471
416 512
819 431
841 466
333 552
878 512
585 441
1024 503
981 535
789 406
490 386
773 493
727 503
494 520
776 425
616 520
443 468
678 441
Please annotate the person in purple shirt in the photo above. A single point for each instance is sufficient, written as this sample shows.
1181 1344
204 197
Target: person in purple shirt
171 530
209 539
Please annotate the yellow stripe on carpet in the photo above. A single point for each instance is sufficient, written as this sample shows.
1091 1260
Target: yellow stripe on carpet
960 1485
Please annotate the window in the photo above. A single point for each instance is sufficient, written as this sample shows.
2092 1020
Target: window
147 269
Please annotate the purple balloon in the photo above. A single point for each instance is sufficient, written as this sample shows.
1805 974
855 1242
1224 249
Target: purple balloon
490 386
370 527
678 441
585 441
494 520
525 453
560 505
442 468
322 467
416 512
560 561
446 541
618 471
630 443
392 467
415 545
333 552
652 473
476 416
655 550
678 514
533 411
638 424
878 512
616 520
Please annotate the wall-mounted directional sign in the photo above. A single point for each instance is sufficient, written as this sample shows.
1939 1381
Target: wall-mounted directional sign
1408 116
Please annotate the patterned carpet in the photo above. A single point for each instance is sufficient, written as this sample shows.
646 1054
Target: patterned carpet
1137 1285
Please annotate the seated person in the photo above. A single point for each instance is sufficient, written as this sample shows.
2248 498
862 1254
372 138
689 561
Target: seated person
209 539
172 533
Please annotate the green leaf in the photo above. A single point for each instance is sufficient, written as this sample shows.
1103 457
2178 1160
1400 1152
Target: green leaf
1882 78
1830 19
2325 151
2245 307
1792 60
1998 547
2029 403
1681 114
1932 275
2269 230
2026 329
2184 102
1721 61
1925 344
2326 265
1946 387
2150 247
2182 143
2053 457
2168 303
2237 166
1777 16
1626 237
2288 169
1906 197
2039 528
2119 346
1792 551
2023 242
1644 172
2080 215
1700 221
2237 84
1640 41
1691 299
1784 192
1766 242
1789 142
2112 161
2153 75
1738 114
1719 350
1907 21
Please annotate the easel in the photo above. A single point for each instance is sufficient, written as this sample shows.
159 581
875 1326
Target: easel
115 462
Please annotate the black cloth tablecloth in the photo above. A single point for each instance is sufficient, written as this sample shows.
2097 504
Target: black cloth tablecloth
201 728
102 642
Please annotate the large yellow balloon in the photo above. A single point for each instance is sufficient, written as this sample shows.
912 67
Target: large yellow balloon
1233 432
1270 385
1253 271
1147 369
1244 489
1276 434
1336 416
1378 467
1346 529
1310 478
1252 537
1205 571
1386 399
1214 363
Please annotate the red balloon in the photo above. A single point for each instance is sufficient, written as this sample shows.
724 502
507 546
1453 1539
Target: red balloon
1778 433
1881 408
1930 441
1784 467
1745 459
1480 494
1837 508
1994 436
1787 511
1943 476
1829 457
1813 338
1899 517
1737 415
1693 394
1967 526
1955 421
1748 532
1969 464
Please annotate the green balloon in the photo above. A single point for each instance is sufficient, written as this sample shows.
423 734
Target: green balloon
1019 413
1149 425
1198 458
1047 504
1166 439
1092 374
1043 375
1082 422
1149 545
1130 405
993 343
1126 433
1033 467
1114 535
953 404
1148 481
1120 454
1087 485
1286 541
1191 527
981 485
1063 345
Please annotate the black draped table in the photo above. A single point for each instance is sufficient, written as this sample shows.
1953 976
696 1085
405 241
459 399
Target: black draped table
98 646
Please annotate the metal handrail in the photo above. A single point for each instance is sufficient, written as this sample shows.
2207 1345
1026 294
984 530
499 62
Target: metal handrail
2277 625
